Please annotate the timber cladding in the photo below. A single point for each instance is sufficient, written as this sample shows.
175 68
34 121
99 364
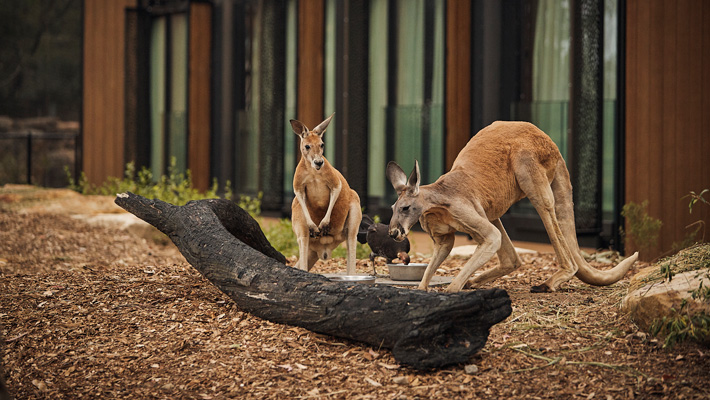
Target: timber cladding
458 78
103 88
199 81
668 112
311 57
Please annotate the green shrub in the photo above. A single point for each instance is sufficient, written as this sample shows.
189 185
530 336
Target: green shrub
683 326
642 229
284 240
174 188
686 323
694 234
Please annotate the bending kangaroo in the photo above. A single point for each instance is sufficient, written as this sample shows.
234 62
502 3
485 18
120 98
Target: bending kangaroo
321 194
504 163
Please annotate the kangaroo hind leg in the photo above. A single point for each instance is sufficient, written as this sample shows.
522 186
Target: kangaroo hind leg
533 181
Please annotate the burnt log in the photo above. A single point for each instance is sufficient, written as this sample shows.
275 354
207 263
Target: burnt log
423 329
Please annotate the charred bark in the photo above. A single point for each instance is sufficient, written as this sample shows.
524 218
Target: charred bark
423 329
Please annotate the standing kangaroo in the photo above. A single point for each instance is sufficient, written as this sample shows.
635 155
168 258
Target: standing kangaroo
322 197
504 163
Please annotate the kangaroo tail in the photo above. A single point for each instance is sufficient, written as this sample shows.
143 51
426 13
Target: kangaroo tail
592 276
564 210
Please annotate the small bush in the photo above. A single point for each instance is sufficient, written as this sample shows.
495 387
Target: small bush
683 326
642 229
283 239
174 188
686 323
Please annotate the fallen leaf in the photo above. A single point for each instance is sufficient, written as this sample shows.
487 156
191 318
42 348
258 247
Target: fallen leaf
373 382
16 337
287 367
40 385
388 366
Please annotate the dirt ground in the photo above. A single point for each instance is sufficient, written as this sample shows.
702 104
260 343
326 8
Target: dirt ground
95 312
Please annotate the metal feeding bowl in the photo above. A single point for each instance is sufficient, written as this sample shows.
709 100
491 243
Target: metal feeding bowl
410 272
366 279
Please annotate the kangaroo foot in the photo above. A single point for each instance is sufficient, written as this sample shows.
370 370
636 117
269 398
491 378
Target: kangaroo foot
540 289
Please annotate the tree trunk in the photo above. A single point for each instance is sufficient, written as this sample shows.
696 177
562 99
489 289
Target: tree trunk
423 329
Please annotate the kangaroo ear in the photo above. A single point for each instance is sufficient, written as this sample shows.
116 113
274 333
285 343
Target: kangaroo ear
298 128
415 178
396 176
320 129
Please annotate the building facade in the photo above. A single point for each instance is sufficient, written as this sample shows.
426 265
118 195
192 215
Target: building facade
620 86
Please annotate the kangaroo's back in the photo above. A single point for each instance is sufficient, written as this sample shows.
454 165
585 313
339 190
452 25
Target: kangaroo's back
494 145
486 165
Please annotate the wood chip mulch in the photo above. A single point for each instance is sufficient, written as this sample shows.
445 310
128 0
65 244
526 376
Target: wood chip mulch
92 312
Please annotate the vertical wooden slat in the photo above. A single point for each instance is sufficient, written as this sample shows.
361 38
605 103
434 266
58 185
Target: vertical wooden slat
689 77
631 96
704 212
458 77
667 88
311 48
199 76
669 100
653 89
103 88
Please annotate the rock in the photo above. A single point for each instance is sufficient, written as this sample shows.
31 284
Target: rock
127 222
471 369
401 380
28 198
656 300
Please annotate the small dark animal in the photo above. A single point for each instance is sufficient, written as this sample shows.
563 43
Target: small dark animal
377 236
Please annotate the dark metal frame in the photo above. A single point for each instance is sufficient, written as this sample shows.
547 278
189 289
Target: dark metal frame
351 88
592 230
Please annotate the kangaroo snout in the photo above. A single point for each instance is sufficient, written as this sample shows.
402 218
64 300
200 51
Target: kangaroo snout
396 234
317 163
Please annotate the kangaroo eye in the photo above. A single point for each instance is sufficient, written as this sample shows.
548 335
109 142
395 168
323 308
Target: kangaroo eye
308 147
322 145
405 208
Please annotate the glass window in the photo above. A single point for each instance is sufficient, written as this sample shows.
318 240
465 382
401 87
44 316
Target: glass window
406 90
329 100
290 147
168 92
157 95
551 60
247 106
609 111
177 122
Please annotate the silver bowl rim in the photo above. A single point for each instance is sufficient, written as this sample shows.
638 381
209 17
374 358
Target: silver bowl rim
407 265
352 278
